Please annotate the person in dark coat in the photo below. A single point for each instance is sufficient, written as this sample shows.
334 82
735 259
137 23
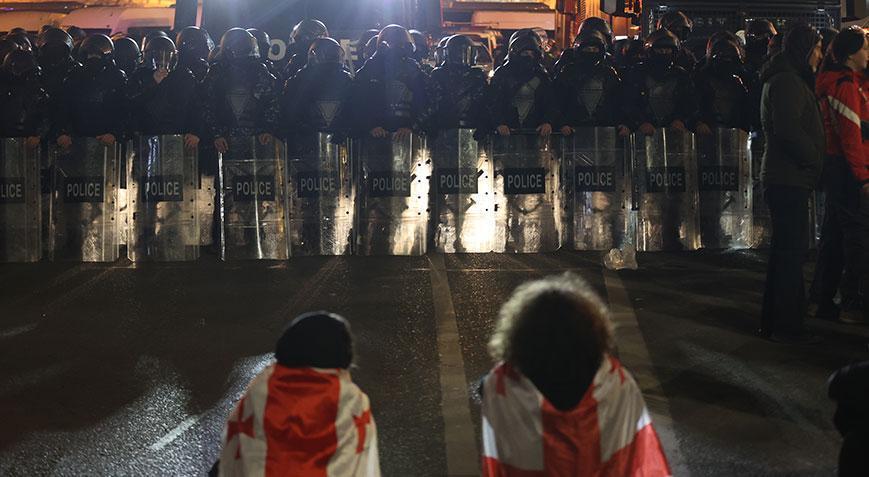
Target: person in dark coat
23 101
680 25
721 92
458 87
521 96
303 34
792 163
164 95
194 47
93 100
390 92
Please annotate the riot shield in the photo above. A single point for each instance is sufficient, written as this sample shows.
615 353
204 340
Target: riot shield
761 223
601 212
322 196
665 189
724 184
20 202
85 211
392 211
162 176
253 200
463 194
527 194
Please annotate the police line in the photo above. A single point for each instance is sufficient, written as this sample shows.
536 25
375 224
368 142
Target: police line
522 193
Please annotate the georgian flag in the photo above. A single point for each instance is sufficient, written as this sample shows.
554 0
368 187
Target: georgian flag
301 422
609 433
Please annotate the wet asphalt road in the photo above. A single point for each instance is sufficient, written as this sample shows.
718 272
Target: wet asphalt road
123 370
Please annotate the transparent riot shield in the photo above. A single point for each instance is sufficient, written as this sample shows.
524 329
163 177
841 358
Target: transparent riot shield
392 211
463 194
761 223
527 194
665 188
253 200
724 184
85 211
598 160
322 196
20 202
162 176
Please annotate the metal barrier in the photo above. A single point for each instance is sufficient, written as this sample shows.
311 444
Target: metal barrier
84 224
463 194
162 177
665 191
528 194
20 201
322 196
393 193
599 182
724 184
253 200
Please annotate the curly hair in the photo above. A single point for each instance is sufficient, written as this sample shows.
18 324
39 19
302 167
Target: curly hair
556 331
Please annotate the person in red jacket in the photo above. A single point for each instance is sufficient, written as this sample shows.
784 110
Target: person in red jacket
844 98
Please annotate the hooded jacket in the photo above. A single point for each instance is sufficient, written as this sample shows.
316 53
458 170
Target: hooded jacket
845 108
792 125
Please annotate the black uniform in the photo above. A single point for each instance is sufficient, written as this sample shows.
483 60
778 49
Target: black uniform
93 100
169 107
587 89
458 89
721 93
390 91
240 93
521 95
303 34
658 91
23 101
315 99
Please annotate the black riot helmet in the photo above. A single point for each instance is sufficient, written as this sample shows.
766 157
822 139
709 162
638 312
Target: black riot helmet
20 63
263 42
661 47
127 54
460 50
150 36
21 39
6 47
420 45
761 29
590 47
238 43
370 48
53 46
678 23
194 42
96 47
160 53
721 36
599 25
325 51
396 40
440 50
525 40
306 31
78 35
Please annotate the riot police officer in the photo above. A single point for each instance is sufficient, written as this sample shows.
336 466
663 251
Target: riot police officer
458 87
240 93
194 46
127 55
658 93
390 92
521 94
721 92
304 33
587 26
93 101
23 101
680 25
163 94
314 100
587 89
421 50
54 55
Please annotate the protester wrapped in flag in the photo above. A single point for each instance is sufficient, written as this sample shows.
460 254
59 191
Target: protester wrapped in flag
558 403
303 415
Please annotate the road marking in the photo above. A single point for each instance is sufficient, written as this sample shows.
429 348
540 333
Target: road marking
174 433
634 353
462 454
